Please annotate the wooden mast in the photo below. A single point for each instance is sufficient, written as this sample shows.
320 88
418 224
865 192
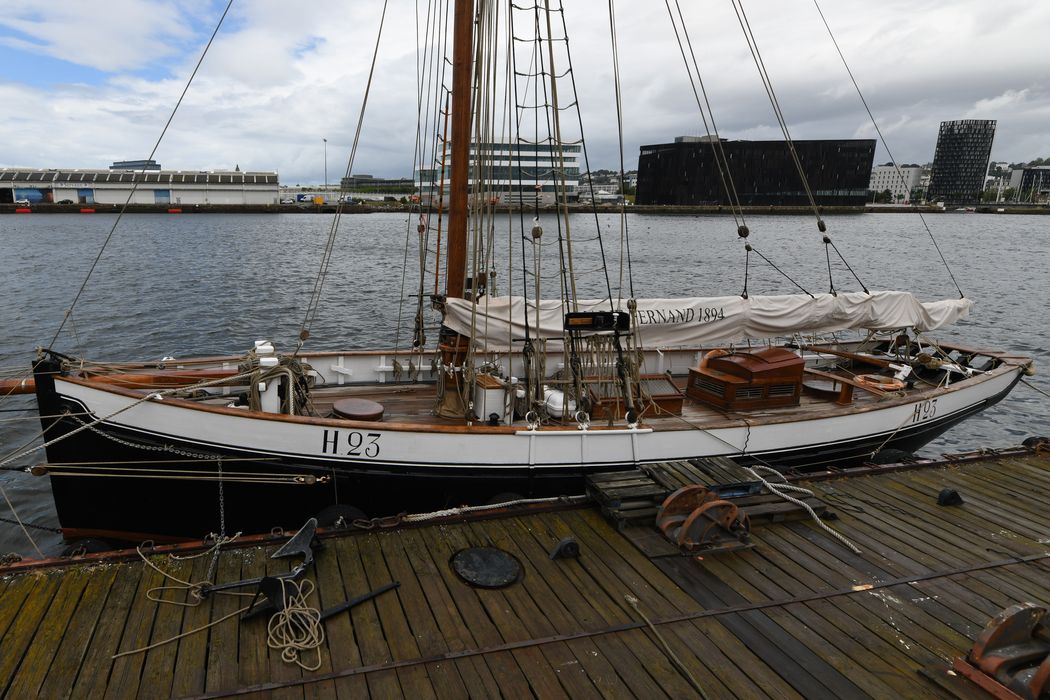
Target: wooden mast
462 74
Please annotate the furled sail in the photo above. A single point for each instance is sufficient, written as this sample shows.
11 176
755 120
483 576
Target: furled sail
701 321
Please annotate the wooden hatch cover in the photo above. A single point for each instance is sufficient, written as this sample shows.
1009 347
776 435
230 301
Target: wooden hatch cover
747 380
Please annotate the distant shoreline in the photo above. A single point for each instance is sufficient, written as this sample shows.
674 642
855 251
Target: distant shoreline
397 207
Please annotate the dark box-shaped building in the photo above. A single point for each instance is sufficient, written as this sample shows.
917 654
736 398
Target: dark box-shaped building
686 172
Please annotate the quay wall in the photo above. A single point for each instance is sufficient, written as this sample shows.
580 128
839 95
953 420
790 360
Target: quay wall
371 207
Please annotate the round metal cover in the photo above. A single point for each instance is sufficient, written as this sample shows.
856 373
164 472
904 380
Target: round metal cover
486 567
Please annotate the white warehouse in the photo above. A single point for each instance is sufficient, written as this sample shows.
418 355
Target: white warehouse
174 187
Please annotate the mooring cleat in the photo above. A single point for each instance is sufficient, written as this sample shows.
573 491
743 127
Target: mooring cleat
567 548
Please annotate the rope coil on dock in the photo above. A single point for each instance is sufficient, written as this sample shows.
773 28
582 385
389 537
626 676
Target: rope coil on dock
296 627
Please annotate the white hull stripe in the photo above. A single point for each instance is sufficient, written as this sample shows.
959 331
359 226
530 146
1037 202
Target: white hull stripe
367 448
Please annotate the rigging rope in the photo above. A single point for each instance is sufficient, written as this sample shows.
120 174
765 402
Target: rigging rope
885 144
135 182
625 241
703 103
326 258
756 54
728 185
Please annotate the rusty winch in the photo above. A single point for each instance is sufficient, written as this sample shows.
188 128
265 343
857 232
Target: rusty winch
697 519
1011 657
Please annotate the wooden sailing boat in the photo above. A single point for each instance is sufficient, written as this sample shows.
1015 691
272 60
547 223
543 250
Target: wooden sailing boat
187 446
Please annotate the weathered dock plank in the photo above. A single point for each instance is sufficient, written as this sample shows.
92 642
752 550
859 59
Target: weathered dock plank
93 679
460 617
540 608
222 637
252 658
19 636
449 679
36 661
374 646
126 673
341 649
416 681
797 615
191 661
158 671
643 666
506 626
72 650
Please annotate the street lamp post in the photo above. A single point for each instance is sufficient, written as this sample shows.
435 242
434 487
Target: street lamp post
325 170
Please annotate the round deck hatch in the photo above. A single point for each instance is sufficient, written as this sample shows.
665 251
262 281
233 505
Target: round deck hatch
358 409
486 567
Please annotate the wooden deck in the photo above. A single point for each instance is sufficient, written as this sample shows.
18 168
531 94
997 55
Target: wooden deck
796 616
414 403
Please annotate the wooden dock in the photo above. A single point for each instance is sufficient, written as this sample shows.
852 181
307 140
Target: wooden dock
796 616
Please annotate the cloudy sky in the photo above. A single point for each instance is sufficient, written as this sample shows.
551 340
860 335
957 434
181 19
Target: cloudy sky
86 83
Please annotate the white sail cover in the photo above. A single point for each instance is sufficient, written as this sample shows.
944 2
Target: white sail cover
703 321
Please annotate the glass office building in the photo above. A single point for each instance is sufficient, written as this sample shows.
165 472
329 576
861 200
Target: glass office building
686 173
960 162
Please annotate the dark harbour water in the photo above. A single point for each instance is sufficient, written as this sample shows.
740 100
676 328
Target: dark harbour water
212 284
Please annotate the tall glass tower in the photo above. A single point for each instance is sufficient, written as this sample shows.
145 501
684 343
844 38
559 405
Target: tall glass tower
960 162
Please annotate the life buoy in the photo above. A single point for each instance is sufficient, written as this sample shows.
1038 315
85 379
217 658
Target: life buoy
877 381
711 354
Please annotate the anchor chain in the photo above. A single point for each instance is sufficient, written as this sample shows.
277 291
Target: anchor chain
44 528
128 443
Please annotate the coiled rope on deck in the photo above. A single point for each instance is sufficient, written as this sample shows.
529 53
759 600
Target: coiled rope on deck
296 627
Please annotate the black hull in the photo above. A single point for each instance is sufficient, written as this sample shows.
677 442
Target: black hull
121 506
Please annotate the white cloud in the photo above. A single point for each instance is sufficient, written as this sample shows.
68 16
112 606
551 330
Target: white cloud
109 36
993 105
279 78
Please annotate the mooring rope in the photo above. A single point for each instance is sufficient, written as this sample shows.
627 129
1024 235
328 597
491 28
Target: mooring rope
177 637
86 426
461 510
35 526
1034 387
667 647
19 520
778 489
293 629
193 590
296 627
